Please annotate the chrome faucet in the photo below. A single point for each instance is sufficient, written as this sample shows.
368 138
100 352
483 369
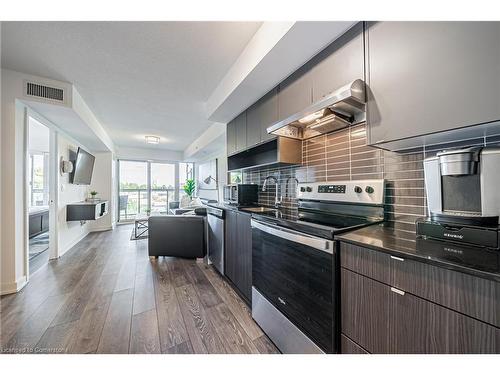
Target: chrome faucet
277 200
286 184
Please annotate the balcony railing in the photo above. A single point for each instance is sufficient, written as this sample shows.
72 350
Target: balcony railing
136 201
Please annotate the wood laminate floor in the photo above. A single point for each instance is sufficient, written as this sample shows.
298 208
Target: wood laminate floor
107 296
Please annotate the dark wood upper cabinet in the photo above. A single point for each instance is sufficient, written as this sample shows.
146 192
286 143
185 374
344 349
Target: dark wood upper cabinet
295 92
231 137
426 77
339 63
268 113
241 131
253 125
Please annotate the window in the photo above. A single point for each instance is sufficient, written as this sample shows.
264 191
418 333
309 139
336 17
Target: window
38 179
145 186
235 177
186 172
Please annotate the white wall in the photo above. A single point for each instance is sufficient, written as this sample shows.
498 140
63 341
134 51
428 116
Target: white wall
13 258
68 233
13 253
221 176
103 182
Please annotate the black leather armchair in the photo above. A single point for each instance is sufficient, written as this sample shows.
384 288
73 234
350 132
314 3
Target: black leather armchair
177 236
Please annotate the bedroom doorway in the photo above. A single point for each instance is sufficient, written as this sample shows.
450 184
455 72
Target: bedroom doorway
38 194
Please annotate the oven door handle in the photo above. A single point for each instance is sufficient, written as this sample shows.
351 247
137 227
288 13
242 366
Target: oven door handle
290 235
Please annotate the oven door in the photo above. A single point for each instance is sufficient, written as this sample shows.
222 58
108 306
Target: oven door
294 272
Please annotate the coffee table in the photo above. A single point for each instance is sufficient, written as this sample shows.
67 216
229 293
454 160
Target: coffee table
141 224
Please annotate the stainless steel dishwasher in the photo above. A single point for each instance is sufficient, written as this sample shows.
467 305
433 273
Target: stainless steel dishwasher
216 232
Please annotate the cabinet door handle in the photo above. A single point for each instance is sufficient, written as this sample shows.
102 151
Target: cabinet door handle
397 258
400 292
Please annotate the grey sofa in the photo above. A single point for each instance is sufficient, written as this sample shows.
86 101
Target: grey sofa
177 236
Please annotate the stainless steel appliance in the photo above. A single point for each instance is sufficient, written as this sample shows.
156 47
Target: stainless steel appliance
216 232
342 108
241 194
295 269
462 194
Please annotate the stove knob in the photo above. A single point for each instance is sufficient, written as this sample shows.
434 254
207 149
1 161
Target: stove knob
358 189
302 189
369 190
309 189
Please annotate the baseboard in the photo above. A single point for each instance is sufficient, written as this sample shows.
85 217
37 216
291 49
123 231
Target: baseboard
14 287
102 229
73 243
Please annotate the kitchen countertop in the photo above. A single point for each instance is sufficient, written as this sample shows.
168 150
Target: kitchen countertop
468 259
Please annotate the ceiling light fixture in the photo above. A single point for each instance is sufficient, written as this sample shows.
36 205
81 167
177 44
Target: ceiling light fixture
313 116
152 139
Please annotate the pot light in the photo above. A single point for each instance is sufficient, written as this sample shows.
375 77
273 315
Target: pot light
152 139
313 116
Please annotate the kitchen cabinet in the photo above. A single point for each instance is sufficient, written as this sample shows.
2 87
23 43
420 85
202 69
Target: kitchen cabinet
260 116
238 252
394 305
241 131
295 92
348 346
365 311
419 326
427 77
231 137
268 114
339 63
253 125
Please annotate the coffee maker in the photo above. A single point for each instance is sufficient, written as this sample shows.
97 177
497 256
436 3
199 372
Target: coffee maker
463 196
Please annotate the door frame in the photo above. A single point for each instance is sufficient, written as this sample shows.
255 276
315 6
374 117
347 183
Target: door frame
52 185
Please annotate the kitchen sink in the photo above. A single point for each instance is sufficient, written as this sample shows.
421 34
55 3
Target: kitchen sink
260 210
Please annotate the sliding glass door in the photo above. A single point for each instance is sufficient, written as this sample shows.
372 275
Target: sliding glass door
133 185
162 186
145 186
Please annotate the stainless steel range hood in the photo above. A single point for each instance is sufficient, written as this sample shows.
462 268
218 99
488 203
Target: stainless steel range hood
342 108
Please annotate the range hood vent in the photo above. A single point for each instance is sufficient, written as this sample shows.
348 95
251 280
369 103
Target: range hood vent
340 109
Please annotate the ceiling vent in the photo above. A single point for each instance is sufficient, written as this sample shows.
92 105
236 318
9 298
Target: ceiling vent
36 90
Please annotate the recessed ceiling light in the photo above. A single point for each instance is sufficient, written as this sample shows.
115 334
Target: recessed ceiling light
153 139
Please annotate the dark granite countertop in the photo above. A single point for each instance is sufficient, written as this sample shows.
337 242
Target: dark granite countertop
468 259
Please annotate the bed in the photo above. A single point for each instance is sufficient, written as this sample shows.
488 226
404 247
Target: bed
38 220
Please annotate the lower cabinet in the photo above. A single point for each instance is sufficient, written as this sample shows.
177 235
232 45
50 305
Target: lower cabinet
380 318
347 346
238 255
365 311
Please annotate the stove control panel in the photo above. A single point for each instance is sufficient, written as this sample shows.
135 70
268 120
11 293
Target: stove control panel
359 191
339 189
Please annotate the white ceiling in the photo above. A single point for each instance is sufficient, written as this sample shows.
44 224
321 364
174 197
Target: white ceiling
137 77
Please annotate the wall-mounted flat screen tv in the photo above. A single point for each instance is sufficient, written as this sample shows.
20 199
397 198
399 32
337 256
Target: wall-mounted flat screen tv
84 166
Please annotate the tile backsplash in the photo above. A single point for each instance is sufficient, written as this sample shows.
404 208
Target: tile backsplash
344 155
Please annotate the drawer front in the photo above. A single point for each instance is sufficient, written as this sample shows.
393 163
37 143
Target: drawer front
467 294
418 326
347 346
371 263
365 311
